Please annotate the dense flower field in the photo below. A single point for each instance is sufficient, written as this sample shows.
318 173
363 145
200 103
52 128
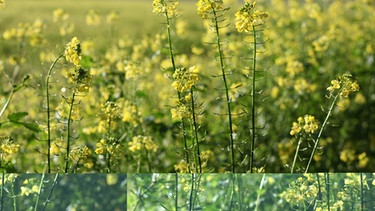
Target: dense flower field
210 86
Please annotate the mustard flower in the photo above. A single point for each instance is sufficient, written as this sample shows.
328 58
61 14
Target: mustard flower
205 7
343 86
2 2
167 7
307 124
180 112
7 146
185 79
73 52
142 142
247 17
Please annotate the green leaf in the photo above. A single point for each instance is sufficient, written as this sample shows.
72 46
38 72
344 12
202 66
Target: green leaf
15 117
31 126
86 62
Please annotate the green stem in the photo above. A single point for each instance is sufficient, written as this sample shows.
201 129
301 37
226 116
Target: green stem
195 131
222 67
328 190
49 115
176 190
191 201
321 130
50 193
39 191
171 54
253 103
257 202
296 154
69 135
2 188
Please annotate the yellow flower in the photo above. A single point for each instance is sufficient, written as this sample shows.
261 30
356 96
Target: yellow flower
205 7
247 17
167 7
307 124
73 52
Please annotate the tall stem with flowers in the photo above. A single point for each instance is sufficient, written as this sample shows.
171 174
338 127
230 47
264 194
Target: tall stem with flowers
185 80
212 9
305 127
250 20
80 80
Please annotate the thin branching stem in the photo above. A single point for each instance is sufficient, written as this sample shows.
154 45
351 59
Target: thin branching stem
252 148
50 193
171 54
222 67
296 154
2 192
48 113
321 131
39 192
69 131
195 131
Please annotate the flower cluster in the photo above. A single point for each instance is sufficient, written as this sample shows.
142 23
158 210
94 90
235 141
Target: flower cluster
33 33
344 85
82 156
7 146
1 3
205 7
180 112
109 145
73 52
308 124
165 7
247 17
185 79
301 191
138 143
110 113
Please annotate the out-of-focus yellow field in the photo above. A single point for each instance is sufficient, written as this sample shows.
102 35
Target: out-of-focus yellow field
128 114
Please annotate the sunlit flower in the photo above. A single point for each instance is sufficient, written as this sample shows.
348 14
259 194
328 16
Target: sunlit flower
205 7
167 7
73 52
247 17
307 124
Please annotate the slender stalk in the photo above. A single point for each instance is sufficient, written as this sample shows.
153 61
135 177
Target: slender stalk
320 132
296 154
257 202
195 131
222 67
191 201
328 190
198 183
49 115
362 199
39 191
171 54
176 191
253 103
50 193
2 192
69 132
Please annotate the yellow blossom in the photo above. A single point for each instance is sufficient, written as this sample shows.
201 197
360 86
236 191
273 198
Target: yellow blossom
247 17
167 7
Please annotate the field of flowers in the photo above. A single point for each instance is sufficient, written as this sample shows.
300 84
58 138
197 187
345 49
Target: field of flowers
141 86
